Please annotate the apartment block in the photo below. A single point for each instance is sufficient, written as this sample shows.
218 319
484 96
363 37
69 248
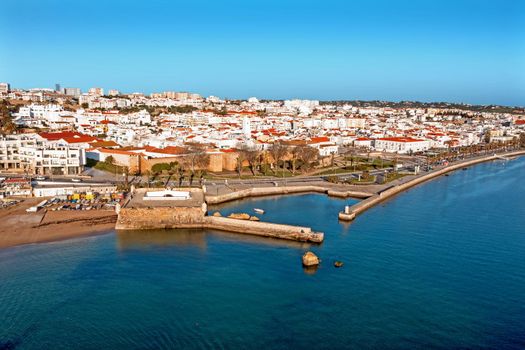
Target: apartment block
27 153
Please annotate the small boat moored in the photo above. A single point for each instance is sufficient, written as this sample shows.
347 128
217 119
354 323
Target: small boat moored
258 211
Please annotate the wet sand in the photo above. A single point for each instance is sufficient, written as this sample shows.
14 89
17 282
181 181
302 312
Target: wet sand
19 227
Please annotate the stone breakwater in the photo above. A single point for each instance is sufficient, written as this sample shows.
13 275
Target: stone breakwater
265 229
362 206
270 191
193 217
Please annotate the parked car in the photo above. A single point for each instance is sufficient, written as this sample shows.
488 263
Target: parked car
76 180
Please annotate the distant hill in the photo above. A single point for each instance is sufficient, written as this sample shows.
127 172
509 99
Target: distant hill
417 104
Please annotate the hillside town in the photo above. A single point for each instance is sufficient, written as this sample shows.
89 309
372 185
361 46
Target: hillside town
65 132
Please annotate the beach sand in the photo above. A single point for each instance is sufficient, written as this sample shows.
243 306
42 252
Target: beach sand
19 227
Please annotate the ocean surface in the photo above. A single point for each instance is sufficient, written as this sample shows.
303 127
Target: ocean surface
441 266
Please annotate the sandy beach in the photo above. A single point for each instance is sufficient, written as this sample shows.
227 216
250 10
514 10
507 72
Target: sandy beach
19 227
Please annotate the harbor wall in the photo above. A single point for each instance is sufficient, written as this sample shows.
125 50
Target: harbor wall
159 217
193 217
269 191
265 229
362 206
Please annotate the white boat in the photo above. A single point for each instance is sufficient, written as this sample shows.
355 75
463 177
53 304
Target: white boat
259 211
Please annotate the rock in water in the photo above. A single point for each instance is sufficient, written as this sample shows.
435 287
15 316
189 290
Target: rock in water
310 259
217 214
338 263
239 216
254 218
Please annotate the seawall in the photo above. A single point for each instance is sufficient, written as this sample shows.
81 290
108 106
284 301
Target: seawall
269 191
175 217
265 229
159 217
362 206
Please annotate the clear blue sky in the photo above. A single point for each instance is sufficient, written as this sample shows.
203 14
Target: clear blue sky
442 50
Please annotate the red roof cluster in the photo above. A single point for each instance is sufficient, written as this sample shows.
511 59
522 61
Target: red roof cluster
54 136
319 139
400 139
68 136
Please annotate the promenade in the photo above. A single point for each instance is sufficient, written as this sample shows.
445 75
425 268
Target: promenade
381 196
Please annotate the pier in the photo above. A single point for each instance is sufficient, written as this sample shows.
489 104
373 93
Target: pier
351 212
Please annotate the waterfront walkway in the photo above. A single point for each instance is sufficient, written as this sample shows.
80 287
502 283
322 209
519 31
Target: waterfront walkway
381 196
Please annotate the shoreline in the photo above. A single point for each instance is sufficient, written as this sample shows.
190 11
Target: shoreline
20 228
370 202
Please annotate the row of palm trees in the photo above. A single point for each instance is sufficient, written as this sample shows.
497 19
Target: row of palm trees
455 153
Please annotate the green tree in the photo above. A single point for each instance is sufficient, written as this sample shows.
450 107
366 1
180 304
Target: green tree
160 167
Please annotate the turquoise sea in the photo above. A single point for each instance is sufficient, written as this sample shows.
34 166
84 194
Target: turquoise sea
441 266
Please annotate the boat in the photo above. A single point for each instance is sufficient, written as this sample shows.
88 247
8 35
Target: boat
258 211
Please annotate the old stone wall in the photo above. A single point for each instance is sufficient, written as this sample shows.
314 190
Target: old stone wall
269 191
159 217
265 229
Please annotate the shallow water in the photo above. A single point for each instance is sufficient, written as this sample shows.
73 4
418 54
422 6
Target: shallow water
441 266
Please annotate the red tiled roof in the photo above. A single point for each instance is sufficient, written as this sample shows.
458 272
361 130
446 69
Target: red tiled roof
79 139
98 144
319 139
53 136
400 139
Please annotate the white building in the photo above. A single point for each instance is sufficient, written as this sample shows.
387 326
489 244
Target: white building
96 91
113 92
401 145
246 127
29 153
5 88
75 92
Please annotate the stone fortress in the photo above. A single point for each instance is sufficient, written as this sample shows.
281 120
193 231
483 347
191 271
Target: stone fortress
146 209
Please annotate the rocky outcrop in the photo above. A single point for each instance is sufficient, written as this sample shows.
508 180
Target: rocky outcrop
239 216
217 214
338 263
310 259
254 218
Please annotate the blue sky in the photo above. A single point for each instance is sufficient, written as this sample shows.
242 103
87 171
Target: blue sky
458 51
